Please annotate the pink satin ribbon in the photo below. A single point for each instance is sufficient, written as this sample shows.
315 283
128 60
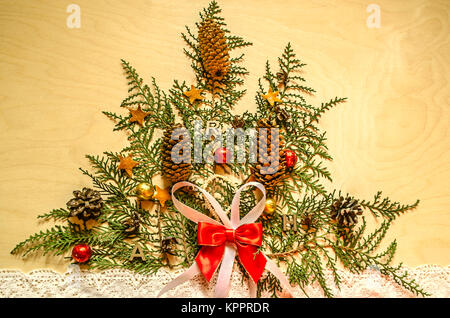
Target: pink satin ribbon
226 267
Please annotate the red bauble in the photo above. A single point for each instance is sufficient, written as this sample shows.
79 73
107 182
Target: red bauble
81 253
222 155
291 158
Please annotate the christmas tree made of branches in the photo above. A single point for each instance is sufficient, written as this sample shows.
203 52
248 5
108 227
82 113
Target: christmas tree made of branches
307 230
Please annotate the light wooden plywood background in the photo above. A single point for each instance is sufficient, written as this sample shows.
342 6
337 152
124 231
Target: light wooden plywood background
392 134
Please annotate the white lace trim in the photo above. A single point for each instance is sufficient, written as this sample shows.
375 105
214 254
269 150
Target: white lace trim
124 283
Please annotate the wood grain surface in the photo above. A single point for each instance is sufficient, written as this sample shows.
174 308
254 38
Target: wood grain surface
392 135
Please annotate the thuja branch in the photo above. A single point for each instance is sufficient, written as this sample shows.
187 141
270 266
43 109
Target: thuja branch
386 208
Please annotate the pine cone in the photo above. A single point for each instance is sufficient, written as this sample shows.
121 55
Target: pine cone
345 212
309 223
214 53
131 225
86 205
237 122
168 246
175 172
282 77
281 114
271 180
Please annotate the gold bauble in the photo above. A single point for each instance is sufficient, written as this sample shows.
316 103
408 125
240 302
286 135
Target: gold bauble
270 207
144 191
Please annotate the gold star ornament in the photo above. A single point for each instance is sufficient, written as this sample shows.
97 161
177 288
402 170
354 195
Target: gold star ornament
127 164
193 94
272 97
138 116
162 195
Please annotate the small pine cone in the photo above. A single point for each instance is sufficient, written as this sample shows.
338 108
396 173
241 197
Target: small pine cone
282 115
86 204
345 212
175 172
309 223
237 122
168 246
282 77
214 53
131 225
269 155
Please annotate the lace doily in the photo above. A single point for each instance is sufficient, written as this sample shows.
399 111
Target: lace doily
124 283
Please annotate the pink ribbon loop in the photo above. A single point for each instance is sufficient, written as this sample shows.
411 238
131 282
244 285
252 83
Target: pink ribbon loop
230 235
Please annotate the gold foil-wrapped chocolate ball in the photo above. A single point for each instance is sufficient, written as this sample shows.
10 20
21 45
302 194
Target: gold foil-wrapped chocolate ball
270 207
144 191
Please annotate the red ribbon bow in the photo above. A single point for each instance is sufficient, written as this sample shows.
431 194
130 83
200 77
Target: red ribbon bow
247 238
220 243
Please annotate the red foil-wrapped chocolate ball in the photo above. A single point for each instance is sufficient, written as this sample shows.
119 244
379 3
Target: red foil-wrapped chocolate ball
81 253
291 158
222 155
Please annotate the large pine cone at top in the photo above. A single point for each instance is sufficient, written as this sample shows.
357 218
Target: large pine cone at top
345 212
270 181
171 170
86 204
214 53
